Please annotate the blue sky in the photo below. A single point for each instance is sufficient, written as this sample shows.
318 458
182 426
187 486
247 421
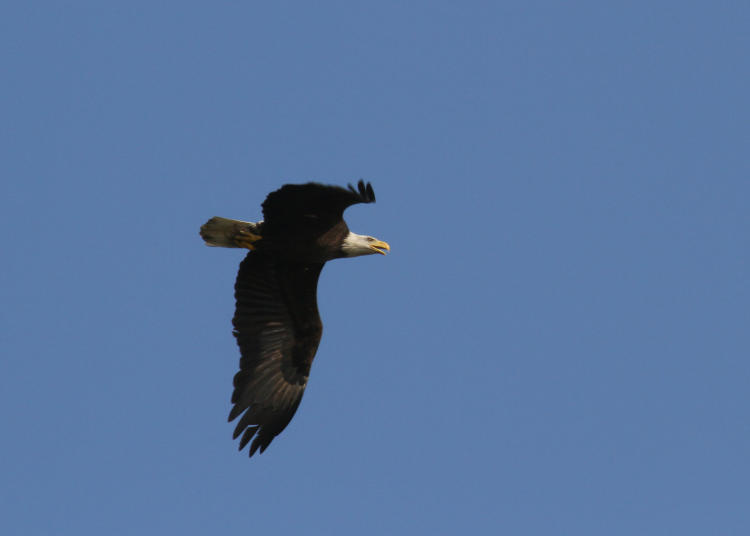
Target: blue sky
557 344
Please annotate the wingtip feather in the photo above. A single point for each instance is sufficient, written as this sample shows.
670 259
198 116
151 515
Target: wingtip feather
364 191
255 445
247 436
236 410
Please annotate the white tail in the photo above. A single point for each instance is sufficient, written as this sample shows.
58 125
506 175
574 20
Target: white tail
227 233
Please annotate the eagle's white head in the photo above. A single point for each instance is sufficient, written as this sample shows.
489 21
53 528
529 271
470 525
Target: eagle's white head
355 245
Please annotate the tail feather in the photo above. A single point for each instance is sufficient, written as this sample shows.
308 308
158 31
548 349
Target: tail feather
228 233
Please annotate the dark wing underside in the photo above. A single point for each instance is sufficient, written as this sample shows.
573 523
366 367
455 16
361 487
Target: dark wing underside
296 203
278 329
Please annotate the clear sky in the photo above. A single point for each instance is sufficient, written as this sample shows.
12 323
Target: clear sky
557 344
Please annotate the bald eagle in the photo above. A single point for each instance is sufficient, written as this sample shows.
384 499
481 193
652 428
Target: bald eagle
276 321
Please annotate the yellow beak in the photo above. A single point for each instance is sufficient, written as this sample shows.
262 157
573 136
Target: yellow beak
378 246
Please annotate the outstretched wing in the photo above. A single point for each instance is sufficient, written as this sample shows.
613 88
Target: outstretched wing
278 329
294 202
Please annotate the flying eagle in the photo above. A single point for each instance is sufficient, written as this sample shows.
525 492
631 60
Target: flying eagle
276 320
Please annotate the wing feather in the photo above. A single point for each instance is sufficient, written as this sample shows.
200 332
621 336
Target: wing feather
278 328
293 202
